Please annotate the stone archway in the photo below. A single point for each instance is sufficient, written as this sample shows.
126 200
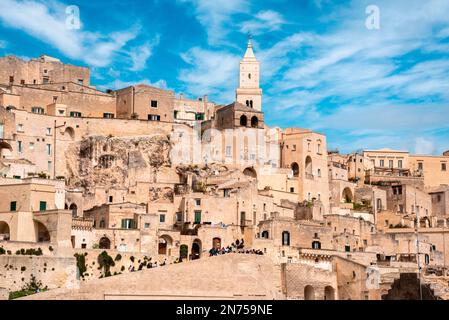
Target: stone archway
5 149
295 168
309 293
4 231
250 172
346 195
69 134
183 252
329 293
42 234
74 208
164 245
308 167
105 243
196 250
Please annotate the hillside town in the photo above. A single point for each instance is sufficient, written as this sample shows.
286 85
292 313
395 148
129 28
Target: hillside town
143 192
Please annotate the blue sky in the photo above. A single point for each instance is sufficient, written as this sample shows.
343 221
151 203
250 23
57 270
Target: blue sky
322 68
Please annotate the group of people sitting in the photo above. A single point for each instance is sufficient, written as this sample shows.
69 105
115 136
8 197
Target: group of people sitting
236 247
253 251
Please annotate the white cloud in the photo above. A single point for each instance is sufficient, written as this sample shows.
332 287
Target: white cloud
46 21
210 72
424 146
141 54
216 16
119 84
263 21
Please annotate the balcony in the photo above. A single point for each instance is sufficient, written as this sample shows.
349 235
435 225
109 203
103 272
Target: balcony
82 224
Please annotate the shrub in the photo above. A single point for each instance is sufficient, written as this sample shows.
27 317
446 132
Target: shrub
2 251
81 264
105 262
32 287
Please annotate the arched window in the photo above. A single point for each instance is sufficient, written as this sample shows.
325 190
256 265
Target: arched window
295 169
254 122
251 103
308 168
249 75
243 121
285 238
265 234
247 103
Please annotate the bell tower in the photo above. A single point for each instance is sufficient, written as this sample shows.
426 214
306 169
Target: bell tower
249 92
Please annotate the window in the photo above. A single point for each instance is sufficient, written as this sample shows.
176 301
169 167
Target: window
20 127
147 226
110 199
19 146
13 206
318 148
199 116
443 167
382 163
285 238
128 224
102 223
1 130
49 149
31 145
75 114
197 217
319 172
316 245
45 80
108 115
347 248
226 193
153 104
179 216
292 190
48 131
42 206
162 218
55 99
154 117
420 166
37 110
49 166
228 151
11 79
81 82
294 147
400 164
175 114
390 163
